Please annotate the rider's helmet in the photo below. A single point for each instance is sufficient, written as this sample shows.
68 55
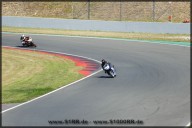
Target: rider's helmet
23 37
103 61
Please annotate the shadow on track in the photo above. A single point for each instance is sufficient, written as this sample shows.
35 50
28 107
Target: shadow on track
104 77
25 46
21 46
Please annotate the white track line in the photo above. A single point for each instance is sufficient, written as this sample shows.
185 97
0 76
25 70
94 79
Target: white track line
189 124
58 88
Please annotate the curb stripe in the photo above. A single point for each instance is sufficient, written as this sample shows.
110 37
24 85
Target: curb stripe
60 87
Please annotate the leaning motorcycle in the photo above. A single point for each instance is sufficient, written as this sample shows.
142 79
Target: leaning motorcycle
110 70
28 44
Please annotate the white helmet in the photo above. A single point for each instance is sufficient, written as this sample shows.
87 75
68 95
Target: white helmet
23 37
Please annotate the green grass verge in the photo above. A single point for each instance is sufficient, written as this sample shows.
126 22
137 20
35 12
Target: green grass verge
26 75
137 36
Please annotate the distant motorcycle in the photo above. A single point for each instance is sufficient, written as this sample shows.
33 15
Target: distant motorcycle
110 70
28 44
27 41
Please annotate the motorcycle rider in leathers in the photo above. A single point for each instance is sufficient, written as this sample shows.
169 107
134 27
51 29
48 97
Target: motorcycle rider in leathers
25 39
103 62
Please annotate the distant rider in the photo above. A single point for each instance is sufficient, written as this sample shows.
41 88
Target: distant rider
25 39
103 62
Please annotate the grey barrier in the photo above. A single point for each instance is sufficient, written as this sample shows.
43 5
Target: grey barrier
96 25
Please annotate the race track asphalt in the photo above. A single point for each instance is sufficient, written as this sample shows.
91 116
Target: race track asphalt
152 85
